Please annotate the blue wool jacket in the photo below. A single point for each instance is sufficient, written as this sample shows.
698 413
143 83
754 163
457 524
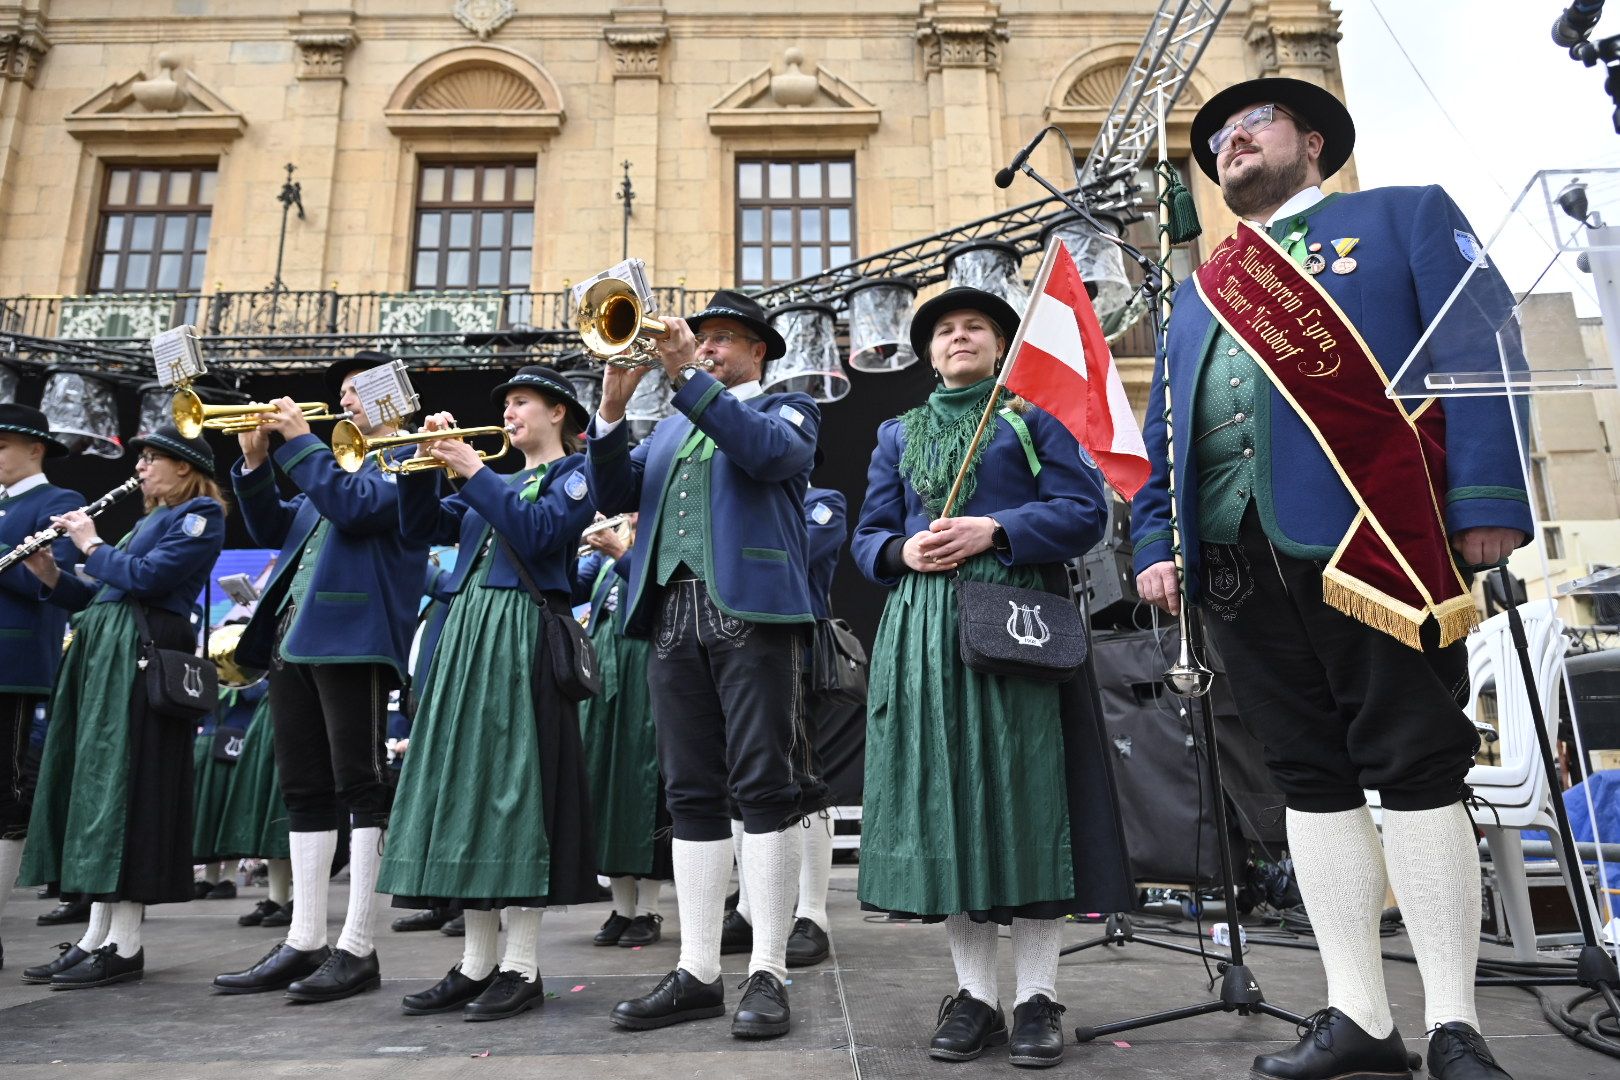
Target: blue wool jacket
826 519
362 600
1055 516
31 631
756 563
164 564
1409 261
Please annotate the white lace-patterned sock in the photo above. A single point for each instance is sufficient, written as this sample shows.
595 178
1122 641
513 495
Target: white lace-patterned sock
124 929
648 892
280 879
211 872
11 853
771 867
1035 944
1339 865
744 907
523 942
624 896
702 873
312 867
95 934
365 862
973 951
478 947
1434 867
815 870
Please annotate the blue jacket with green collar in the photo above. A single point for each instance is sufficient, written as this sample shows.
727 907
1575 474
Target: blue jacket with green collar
163 563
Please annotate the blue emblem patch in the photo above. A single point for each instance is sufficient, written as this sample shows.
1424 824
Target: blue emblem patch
574 487
1469 246
193 525
821 514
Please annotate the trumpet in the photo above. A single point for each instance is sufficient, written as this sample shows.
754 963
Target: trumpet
615 326
192 415
351 447
50 535
619 525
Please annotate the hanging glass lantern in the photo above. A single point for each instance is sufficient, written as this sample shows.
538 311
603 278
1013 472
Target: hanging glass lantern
651 399
991 265
880 324
83 411
157 409
810 365
1100 262
8 384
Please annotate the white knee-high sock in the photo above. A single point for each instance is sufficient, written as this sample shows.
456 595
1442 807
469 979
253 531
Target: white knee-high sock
523 942
771 867
95 934
478 947
211 872
1434 867
973 951
11 853
1339 865
365 863
647 893
124 928
280 871
1035 945
311 869
702 872
744 907
815 870
624 896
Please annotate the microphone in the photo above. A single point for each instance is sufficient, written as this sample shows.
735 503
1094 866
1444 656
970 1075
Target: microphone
1004 178
1576 22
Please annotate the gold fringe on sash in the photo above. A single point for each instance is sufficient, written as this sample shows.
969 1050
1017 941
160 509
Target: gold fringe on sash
1457 617
1341 594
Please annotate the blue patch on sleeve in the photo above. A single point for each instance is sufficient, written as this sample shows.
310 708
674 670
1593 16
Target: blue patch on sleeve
1469 246
574 487
193 525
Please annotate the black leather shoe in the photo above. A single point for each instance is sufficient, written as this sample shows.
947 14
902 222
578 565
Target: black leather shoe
1334 1046
677 998
102 967
612 930
279 918
199 889
343 975
1458 1052
224 890
1036 1041
509 994
70 956
807 944
278 969
643 930
68 911
965 1027
736 934
456 927
763 1011
426 919
448 994
260 910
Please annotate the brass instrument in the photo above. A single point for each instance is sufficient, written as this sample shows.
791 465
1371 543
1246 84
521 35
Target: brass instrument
222 651
619 525
351 447
52 533
614 326
192 415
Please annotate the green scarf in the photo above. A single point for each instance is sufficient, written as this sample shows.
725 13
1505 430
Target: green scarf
938 433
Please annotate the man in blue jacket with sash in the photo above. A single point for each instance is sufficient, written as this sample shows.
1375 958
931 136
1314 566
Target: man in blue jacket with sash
334 629
719 580
1326 526
30 629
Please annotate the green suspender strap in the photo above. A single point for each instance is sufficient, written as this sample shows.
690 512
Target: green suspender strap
1021 429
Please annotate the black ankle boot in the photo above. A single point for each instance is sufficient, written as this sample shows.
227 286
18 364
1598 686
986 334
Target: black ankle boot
1334 1046
1036 1041
965 1027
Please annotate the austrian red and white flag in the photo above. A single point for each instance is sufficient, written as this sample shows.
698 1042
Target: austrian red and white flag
1060 361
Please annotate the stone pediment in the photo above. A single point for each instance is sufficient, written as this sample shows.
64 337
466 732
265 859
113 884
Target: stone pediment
1084 91
174 105
481 90
793 100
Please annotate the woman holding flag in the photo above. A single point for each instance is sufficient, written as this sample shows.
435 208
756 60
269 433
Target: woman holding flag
989 800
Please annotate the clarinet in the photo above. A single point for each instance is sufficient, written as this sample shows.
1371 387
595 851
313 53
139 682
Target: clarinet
50 536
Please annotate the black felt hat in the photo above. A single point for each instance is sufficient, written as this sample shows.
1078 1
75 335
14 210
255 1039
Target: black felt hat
170 443
33 424
727 304
1321 110
960 298
545 381
338 370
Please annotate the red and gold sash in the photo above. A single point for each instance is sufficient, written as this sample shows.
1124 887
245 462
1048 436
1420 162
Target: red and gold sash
1393 569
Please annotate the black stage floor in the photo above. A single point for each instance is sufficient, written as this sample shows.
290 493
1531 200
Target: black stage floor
866 1013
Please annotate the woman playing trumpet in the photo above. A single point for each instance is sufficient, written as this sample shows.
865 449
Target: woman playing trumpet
492 808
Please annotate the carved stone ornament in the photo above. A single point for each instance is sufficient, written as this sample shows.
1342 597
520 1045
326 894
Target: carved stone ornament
20 54
971 43
164 94
484 17
321 55
792 87
1279 48
636 50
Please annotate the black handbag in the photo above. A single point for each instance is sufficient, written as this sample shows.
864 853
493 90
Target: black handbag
572 654
837 663
228 744
1031 633
179 684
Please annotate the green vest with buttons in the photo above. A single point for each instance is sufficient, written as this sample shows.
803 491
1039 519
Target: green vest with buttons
684 522
304 572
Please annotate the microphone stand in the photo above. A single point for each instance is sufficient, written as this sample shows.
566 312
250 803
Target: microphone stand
1240 991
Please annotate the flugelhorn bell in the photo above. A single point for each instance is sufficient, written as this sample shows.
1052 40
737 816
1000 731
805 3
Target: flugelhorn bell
192 414
615 327
351 447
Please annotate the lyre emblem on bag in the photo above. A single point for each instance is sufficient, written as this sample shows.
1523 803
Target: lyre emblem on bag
233 746
192 681
1026 626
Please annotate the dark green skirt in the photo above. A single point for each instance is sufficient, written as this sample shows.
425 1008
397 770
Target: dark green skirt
621 756
468 822
253 822
965 805
212 784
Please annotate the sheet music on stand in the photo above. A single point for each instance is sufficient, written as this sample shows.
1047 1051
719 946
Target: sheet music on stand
385 393
178 357
632 270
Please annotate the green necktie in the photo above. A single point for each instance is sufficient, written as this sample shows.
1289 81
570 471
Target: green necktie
531 486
